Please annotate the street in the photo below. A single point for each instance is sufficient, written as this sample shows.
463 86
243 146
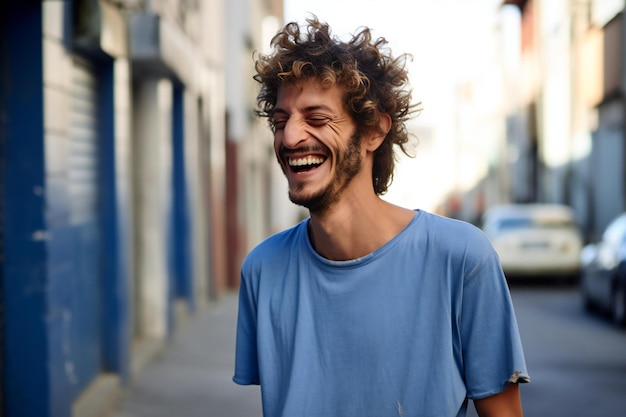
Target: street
577 363
193 376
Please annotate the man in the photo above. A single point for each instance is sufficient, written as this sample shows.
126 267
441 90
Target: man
365 308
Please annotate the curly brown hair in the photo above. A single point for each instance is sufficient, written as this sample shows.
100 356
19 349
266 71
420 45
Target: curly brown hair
375 82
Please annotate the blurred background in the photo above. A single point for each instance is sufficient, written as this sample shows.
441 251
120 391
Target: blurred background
135 177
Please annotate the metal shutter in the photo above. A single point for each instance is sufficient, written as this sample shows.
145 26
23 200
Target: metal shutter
83 152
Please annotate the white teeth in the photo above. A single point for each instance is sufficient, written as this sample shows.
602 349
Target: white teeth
308 160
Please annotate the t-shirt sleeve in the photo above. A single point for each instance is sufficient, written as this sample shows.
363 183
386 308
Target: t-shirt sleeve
246 361
492 349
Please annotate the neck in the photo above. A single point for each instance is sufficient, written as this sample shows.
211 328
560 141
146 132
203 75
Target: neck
356 226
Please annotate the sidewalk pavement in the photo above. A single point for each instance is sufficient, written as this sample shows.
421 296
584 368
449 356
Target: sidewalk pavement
192 377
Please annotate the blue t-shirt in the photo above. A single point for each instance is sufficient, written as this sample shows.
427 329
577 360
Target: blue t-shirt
413 329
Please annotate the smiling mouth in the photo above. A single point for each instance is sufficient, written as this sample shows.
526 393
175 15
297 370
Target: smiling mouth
305 163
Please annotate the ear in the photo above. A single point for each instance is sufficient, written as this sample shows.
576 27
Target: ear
378 135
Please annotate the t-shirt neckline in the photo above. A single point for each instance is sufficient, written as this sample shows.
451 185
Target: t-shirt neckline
304 235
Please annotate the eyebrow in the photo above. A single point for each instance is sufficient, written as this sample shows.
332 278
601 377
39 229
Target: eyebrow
307 109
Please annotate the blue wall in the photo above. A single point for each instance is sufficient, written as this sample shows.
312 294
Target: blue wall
66 236
26 365
66 229
180 244
116 238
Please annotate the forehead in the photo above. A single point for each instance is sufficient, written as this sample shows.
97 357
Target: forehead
309 93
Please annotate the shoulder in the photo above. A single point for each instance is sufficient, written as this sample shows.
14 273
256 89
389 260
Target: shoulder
276 247
452 233
456 240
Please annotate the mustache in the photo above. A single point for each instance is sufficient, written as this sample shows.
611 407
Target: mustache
288 152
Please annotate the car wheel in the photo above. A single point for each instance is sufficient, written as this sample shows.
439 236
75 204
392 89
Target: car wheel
618 305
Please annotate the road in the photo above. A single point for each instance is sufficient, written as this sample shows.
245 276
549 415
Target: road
577 361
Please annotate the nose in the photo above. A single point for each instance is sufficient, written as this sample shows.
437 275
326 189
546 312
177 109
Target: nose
294 133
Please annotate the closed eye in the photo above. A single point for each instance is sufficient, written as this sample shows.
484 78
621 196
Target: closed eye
318 120
278 123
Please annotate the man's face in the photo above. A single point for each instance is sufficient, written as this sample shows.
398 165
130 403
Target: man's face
315 143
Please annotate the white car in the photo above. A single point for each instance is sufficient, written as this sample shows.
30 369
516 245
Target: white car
535 239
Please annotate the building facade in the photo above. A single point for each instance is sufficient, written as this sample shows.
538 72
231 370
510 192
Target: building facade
114 204
567 120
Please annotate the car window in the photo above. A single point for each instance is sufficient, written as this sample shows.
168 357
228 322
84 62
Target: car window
525 222
514 223
513 218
